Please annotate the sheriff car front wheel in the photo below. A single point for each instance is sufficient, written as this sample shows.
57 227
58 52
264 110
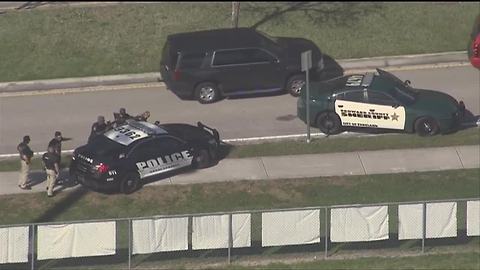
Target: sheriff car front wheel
426 126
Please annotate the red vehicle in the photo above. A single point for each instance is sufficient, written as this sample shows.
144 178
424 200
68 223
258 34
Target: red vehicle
474 46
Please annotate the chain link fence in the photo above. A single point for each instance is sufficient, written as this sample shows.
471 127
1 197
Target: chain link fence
216 239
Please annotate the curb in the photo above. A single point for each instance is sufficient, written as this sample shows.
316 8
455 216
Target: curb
346 64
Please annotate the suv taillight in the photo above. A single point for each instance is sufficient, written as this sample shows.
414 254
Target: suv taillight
176 75
102 168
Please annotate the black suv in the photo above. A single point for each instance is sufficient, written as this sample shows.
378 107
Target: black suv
207 65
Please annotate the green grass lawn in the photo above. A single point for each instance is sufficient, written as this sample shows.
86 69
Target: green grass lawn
80 204
244 195
318 145
74 42
465 261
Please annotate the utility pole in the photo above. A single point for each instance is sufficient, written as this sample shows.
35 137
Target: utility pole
235 13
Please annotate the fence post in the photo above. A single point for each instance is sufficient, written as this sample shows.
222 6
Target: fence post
230 237
326 232
129 244
424 225
32 243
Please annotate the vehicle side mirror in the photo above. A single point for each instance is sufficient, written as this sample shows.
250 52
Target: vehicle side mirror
407 82
275 61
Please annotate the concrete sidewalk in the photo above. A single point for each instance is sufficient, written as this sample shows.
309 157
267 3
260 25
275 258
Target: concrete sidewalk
300 166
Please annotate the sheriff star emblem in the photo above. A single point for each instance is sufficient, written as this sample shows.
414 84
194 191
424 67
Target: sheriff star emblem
395 116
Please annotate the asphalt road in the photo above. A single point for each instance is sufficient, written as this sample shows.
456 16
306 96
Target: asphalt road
73 113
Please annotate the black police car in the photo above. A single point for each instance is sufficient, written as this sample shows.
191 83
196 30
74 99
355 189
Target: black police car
207 65
123 156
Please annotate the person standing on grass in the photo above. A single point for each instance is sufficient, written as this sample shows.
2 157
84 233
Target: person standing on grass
26 155
51 161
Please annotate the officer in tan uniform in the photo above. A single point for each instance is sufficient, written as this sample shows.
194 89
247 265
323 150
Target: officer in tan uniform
51 160
26 155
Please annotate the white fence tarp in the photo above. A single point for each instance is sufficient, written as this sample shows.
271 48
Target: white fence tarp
157 235
290 228
76 240
410 221
473 218
211 232
359 224
14 245
441 220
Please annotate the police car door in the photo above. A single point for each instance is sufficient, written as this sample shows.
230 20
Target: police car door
385 111
164 154
352 109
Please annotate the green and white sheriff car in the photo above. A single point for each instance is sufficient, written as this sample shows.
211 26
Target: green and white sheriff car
380 101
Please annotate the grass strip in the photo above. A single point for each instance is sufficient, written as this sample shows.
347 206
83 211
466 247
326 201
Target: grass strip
90 41
464 261
81 204
317 146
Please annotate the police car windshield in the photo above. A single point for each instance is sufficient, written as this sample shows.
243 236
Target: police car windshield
103 146
394 87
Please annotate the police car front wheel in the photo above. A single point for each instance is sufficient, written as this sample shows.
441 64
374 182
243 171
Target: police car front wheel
130 183
426 126
202 159
329 123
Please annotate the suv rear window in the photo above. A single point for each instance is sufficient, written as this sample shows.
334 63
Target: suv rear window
169 57
191 60
241 56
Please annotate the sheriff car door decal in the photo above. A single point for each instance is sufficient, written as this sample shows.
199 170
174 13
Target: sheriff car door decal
390 117
358 114
164 163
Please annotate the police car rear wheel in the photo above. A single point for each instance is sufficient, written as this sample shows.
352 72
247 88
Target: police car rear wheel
426 126
295 84
206 93
130 183
202 159
329 123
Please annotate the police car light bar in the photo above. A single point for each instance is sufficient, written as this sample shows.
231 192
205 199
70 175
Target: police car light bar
147 127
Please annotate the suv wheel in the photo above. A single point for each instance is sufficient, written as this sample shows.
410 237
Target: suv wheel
295 84
130 183
207 92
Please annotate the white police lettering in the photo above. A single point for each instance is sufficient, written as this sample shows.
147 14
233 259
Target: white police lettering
354 80
164 164
125 134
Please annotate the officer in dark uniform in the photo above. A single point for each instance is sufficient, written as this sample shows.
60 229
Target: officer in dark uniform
51 161
98 128
56 143
26 155
143 117
121 118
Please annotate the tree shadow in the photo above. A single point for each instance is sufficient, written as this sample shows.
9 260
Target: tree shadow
338 13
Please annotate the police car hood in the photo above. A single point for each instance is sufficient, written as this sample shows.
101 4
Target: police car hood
434 100
187 132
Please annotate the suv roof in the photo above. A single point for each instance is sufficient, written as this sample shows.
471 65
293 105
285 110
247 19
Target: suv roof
216 39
